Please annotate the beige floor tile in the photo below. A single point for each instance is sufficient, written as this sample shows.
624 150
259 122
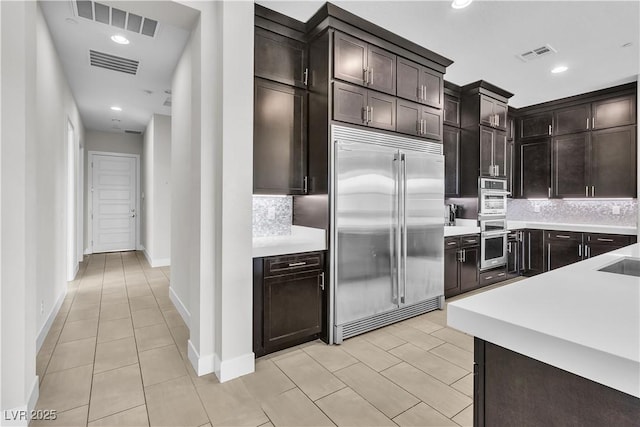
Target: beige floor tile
76 417
415 336
78 330
231 404
66 389
332 357
141 303
347 408
161 364
455 355
147 317
114 299
83 312
282 354
456 338
175 403
269 424
42 361
117 311
267 380
431 364
293 408
180 336
385 395
135 417
164 302
115 354
465 418
153 337
115 391
422 415
173 318
110 330
465 385
139 291
434 393
437 316
383 339
72 354
369 354
314 380
423 324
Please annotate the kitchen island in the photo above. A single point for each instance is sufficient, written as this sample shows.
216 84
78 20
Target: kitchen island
560 348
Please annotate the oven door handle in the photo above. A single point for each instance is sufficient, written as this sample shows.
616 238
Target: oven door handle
494 192
494 233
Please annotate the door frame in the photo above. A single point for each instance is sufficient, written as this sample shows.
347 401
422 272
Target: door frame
89 168
72 200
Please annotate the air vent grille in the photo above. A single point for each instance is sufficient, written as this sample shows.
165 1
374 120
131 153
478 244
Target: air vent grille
116 17
536 53
112 62
135 132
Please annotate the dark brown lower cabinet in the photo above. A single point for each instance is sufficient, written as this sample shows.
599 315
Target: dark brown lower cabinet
562 248
461 262
288 301
533 252
598 244
511 389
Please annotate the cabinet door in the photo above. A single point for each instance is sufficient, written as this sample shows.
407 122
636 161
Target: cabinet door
613 162
451 283
598 244
533 252
451 149
535 126
451 110
486 110
500 111
432 118
500 153
408 82
349 58
534 169
570 165
349 103
486 151
279 58
279 143
408 117
572 119
469 268
382 110
292 308
561 253
433 87
509 171
512 258
614 112
381 66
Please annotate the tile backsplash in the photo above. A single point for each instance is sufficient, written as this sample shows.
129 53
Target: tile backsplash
272 215
602 212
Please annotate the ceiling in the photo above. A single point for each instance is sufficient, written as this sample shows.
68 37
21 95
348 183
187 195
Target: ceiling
485 38
97 89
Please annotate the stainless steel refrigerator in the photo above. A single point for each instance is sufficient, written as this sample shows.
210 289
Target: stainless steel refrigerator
388 229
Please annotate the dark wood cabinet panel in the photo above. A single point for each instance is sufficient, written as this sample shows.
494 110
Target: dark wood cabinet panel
432 118
572 119
350 58
433 87
570 167
619 111
533 252
598 244
510 169
451 280
408 85
451 150
382 110
349 103
382 70
469 268
613 162
511 128
486 151
514 253
500 154
536 126
493 112
279 58
451 110
562 248
461 264
408 117
534 169
279 146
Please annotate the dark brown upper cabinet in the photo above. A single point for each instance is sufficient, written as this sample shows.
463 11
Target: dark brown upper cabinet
279 138
420 84
451 110
451 151
493 152
536 126
572 119
493 112
357 105
570 157
280 58
613 162
358 62
534 167
511 128
613 112
419 120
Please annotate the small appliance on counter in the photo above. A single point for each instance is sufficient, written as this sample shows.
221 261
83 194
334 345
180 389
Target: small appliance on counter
450 211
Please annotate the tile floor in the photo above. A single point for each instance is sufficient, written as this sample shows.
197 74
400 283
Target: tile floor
116 355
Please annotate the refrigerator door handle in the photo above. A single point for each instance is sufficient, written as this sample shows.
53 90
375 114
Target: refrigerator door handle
396 234
403 226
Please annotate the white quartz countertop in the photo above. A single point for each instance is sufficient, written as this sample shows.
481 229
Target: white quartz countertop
301 239
459 230
576 318
584 228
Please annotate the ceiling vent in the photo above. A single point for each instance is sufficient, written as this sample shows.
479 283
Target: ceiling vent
135 132
116 17
112 62
537 53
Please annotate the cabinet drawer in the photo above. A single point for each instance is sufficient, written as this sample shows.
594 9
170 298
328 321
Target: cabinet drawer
608 239
451 242
494 276
564 235
471 240
287 264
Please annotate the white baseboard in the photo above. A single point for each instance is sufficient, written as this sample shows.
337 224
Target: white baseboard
184 313
47 324
202 365
87 251
159 262
236 367
20 415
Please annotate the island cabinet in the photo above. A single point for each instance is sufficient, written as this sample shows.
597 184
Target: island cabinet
461 264
534 168
419 83
289 300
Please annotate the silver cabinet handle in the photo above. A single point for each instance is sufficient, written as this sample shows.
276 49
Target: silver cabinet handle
419 126
562 236
529 240
593 191
451 243
548 256
549 192
464 255
306 76
488 277
471 241
588 251
365 114
601 239
305 184
424 132
371 113
322 280
424 92
371 75
497 119
509 247
297 264
365 76
587 123
586 191
593 122
497 170
580 250
549 130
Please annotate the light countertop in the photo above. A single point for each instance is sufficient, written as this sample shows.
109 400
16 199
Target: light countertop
301 239
467 227
460 230
576 318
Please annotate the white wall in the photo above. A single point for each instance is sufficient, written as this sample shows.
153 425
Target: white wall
156 188
112 142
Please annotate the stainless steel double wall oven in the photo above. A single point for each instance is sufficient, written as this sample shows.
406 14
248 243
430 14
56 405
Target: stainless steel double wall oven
492 216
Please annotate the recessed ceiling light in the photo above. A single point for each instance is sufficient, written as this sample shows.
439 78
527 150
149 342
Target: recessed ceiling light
116 108
460 4
559 69
627 44
120 39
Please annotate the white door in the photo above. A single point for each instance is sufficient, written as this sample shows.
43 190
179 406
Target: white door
113 203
